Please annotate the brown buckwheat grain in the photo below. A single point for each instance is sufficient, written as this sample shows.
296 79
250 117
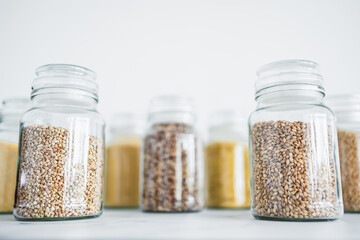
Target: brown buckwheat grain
170 169
60 173
290 179
349 166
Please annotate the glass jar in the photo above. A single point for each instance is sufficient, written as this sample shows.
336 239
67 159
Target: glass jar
10 115
60 171
347 110
122 168
171 165
294 154
227 161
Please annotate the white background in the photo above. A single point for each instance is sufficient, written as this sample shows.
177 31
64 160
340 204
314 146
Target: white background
206 49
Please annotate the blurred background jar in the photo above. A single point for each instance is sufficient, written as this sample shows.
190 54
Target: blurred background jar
172 160
10 115
61 149
295 170
227 161
347 111
122 166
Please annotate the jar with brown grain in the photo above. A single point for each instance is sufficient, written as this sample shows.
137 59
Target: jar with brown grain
295 171
10 115
61 155
347 111
227 161
172 164
122 168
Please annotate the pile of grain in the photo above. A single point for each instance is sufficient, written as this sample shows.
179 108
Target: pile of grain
289 180
349 165
60 173
171 169
8 164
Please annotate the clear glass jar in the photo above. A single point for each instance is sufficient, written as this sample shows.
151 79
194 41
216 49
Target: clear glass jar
171 165
295 171
227 161
122 168
347 110
10 114
60 171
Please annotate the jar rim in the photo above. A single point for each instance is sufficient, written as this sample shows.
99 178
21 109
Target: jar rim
65 78
289 63
127 120
16 101
227 117
66 67
296 74
172 103
340 103
13 108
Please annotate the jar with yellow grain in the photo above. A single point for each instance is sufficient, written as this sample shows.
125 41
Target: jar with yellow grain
10 115
123 161
227 162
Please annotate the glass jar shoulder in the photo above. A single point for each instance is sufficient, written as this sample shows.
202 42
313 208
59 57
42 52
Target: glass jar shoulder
170 128
61 114
292 113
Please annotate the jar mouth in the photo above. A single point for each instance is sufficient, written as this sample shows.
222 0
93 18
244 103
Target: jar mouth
344 102
171 103
346 107
290 65
16 102
171 108
13 108
127 122
289 75
171 117
63 79
69 69
227 117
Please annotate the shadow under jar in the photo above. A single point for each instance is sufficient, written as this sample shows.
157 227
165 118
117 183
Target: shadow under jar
60 171
172 181
293 143
347 110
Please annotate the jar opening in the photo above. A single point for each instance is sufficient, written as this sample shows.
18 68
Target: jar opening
64 78
289 75
12 110
346 108
127 123
172 108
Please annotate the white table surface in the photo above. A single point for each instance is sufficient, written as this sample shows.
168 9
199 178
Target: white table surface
208 224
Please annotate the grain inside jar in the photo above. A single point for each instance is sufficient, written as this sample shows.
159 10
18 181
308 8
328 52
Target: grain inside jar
122 173
349 166
227 175
60 173
171 169
8 164
290 179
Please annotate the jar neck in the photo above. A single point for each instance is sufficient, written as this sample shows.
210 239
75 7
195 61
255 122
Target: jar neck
11 112
171 117
299 94
10 124
69 98
9 128
64 85
229 132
